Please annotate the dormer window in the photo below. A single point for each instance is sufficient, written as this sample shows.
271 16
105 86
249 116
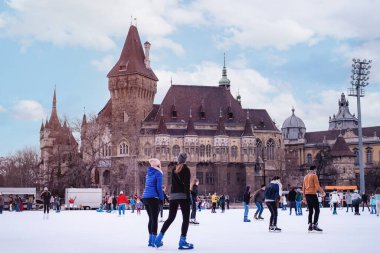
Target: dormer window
174 114
122 67
202 115
230 115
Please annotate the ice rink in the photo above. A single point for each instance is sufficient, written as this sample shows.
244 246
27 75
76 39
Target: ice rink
89 231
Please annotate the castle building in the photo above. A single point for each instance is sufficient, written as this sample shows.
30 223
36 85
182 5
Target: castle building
340 144
228 146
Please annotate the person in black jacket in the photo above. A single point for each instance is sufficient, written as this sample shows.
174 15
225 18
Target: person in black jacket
246 199
194 196
179 196
292 200
46 196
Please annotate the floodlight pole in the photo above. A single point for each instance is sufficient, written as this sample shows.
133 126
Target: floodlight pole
360 76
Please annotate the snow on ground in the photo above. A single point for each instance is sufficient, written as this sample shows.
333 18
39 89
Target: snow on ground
89 231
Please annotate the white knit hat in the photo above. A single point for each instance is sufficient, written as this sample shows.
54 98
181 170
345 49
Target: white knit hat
121 192
154 162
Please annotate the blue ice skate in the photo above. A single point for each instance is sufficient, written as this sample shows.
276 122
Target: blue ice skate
158 240
184 245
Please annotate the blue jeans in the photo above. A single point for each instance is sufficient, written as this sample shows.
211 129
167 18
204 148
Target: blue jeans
245 209
298 207
121 208
260 208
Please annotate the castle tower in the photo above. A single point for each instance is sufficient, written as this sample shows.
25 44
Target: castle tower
132 85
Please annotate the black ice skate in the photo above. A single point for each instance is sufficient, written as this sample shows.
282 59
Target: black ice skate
316 228
274 229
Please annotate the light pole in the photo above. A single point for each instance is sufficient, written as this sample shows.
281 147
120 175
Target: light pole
360 76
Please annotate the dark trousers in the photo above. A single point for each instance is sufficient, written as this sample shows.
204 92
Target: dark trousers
152 206
365 203
161 211
46 207
313 205
356 208
1 209
213 208
272 206
173 208
193 208
335 204
292 205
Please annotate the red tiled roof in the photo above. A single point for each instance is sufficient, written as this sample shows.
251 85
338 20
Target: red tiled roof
317 137
209 100
106 112
132 57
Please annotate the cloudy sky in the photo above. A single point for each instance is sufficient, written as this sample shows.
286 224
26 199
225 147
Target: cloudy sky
279 54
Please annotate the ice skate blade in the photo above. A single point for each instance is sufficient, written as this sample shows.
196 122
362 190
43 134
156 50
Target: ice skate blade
314 232
185 248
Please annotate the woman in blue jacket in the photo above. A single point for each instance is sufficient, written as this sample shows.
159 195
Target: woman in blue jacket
153 196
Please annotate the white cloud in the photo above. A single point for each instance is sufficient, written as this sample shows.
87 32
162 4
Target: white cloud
253 24
104 64
276 97
28 110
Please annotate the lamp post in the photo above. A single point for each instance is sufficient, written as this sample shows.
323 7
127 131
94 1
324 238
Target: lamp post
360 76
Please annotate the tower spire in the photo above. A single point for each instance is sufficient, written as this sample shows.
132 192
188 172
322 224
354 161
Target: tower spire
54 121
224 81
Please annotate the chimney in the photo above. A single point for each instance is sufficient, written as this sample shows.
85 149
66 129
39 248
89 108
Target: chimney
147 60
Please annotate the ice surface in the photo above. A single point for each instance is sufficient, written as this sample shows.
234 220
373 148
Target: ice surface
89 231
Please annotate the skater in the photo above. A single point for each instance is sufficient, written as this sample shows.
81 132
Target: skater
258 198
214 200
194 197
222 201
334 201
273 191
372 203
45 196
228 202
133 205
348 201
1 203
200 202
30 202
57 203
292 200
246 199
365 201
139 206
377 198
122 202
179 196
114 202
310 188
283 202
163 203
299 199
356 199
152 196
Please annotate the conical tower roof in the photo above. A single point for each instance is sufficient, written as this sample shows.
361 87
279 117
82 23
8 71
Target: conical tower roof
132 58
162 126
190 130
54 121
247 128
341 148
221 130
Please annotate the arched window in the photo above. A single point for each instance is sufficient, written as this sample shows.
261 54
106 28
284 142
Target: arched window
208 150
176 150
356 153
234 152
106 177
369 155
202 150
258 148
147 150
270 149
96 176
309 159
123 148
109 152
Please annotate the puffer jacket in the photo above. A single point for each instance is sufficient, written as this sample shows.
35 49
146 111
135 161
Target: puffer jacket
153 184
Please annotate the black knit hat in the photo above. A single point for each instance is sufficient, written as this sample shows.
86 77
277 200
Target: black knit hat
182 157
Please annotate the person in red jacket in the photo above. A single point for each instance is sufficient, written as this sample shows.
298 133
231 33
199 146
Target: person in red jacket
122 202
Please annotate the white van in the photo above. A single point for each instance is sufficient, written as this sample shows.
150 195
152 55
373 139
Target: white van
83 198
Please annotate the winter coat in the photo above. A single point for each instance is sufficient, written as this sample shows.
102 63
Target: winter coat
299 196
273 191
194 192
114 200
365 198
292 195
334 198
45 196
1 200
180 184
153 184
213 198
372 201
122 199
356 198
246 197
259 195
348 199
